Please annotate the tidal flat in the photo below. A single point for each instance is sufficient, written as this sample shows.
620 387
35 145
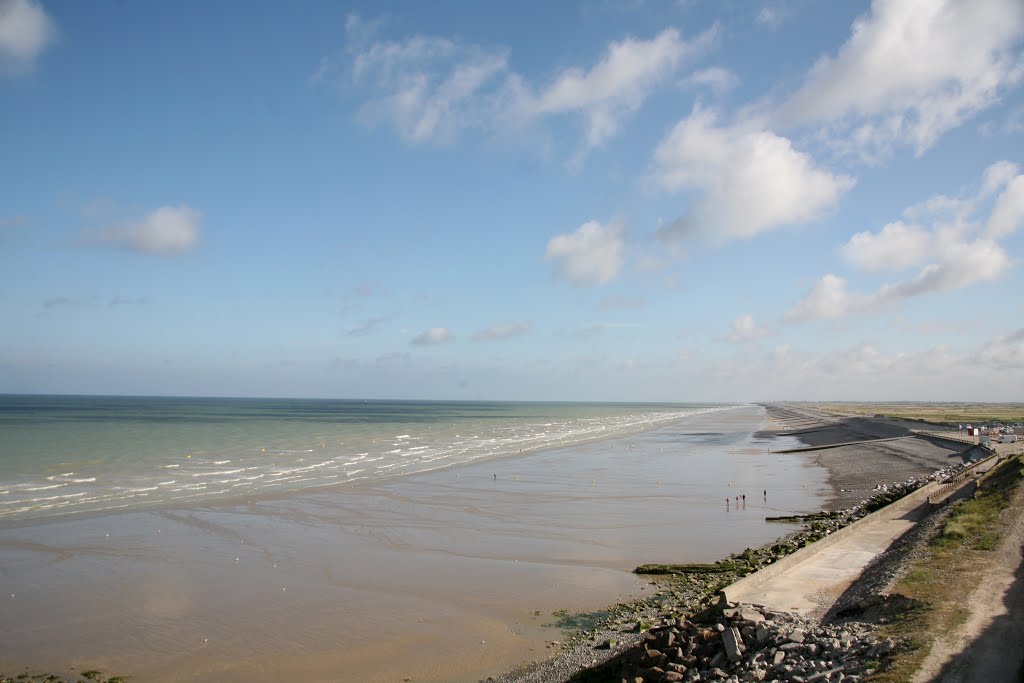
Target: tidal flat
458 570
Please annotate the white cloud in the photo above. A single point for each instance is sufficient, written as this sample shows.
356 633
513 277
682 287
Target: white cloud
429 88
590 255
911 71
745 328
1003 352
955 248
753 179
715 78
1008 213
615 86
433 88
433 336
166 231
997 176
25 30
961 264
502 331
829 298
865 371
897 246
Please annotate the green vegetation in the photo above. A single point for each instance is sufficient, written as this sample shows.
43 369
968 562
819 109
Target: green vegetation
948 413
935 585
579 621
725 566
91 675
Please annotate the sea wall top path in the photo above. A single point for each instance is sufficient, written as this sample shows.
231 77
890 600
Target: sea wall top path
811 579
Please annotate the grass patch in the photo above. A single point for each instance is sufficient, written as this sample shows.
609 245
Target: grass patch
934 412
951 562
918 577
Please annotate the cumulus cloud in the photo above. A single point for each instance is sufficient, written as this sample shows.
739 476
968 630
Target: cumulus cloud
829 298
753 179
167 231
745 328
433 336
503 331
897 246
911 71
1008 213
590 255
25 30
960 264
952 246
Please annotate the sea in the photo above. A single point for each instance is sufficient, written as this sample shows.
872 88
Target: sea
67 455
237 540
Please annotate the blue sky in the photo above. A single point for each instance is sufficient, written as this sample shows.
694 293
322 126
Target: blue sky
608 200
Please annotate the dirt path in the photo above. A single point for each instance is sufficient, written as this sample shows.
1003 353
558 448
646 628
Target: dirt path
988 646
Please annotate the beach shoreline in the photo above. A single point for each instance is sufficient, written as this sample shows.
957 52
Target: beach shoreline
464 571
460 569
877 474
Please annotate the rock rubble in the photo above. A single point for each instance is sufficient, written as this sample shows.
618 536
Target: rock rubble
750 643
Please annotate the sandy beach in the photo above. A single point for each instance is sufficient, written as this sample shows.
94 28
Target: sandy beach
451 575
459 569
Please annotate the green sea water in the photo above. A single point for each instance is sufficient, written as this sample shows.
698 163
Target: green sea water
62 455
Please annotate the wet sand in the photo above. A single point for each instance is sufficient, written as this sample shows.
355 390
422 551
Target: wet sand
446 576
855 469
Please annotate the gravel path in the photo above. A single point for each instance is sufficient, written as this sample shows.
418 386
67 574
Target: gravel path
988 647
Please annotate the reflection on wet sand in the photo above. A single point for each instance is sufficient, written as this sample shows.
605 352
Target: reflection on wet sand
449 575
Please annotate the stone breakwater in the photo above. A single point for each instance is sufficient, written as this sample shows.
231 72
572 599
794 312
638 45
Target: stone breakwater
747 643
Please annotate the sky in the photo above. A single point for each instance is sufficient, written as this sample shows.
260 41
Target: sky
614 200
